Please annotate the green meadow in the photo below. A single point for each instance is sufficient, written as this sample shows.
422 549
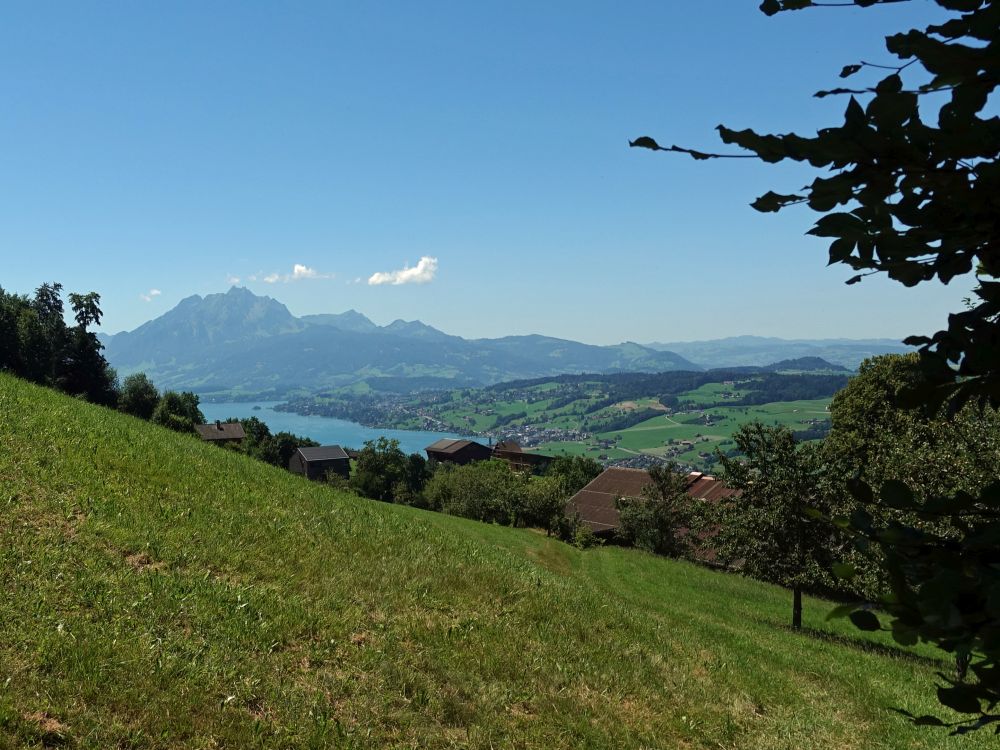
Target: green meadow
162 593
705 430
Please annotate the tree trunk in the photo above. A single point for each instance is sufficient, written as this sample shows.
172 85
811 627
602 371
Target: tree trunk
796 608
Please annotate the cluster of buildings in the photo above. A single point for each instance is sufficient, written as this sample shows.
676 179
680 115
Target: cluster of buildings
467 451
312 463
594 505
316 463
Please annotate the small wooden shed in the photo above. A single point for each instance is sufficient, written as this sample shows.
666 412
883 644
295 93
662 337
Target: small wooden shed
315 463
519 459
221 432
458 451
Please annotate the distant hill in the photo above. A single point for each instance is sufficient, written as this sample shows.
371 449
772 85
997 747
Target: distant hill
805 364
761 351
241 342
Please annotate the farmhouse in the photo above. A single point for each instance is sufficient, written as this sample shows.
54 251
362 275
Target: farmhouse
457 451
511 452
595 503
315 463
221 432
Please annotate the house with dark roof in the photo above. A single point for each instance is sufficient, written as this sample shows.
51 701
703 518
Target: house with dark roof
595 503
520 460
221 432
316 463
457 451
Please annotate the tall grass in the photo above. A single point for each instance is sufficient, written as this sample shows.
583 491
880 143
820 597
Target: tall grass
157 592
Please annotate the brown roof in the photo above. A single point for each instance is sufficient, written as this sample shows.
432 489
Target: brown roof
323 453
596 502
507 445
444 445
220 431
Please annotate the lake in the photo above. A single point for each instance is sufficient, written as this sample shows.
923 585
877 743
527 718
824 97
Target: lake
325 430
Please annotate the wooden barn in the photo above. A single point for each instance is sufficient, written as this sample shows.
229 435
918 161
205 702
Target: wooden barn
519 459
595 503
315 463
457 451
221 432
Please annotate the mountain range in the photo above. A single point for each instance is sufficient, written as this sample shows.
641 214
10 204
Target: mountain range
239 342
760 351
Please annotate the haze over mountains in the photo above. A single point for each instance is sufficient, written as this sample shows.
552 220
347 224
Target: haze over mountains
242 342
239 342
760 351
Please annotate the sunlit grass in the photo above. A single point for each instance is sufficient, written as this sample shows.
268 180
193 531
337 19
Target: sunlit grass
158 592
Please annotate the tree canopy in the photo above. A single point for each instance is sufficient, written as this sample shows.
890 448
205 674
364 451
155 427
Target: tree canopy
38 345
765 531
908 185
910 182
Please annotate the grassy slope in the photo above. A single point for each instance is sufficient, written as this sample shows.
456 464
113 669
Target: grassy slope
157 592
650 436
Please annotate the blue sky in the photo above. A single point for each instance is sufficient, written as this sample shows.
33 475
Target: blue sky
174 147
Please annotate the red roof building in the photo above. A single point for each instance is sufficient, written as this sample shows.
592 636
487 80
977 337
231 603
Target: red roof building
595 503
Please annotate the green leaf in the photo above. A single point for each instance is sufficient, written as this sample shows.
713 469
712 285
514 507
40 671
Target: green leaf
841 250
890 85
771 201
865 620
845 571
770 7
860 491
897 495
840 224
644 141
849 70
816 513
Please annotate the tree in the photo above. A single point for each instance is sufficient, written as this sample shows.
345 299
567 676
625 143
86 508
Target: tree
487 491
660 520
178 411
139 396
379 468
39 346
873 439
544 504
276 449
766 531
919 202
906 198
575 472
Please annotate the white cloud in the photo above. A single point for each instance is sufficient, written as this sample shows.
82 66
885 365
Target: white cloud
233 279
148 296
419 274
299 272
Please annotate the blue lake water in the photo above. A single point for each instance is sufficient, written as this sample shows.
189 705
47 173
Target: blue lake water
325 430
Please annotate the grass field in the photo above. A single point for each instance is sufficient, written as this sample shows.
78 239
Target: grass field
162 593
706 430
